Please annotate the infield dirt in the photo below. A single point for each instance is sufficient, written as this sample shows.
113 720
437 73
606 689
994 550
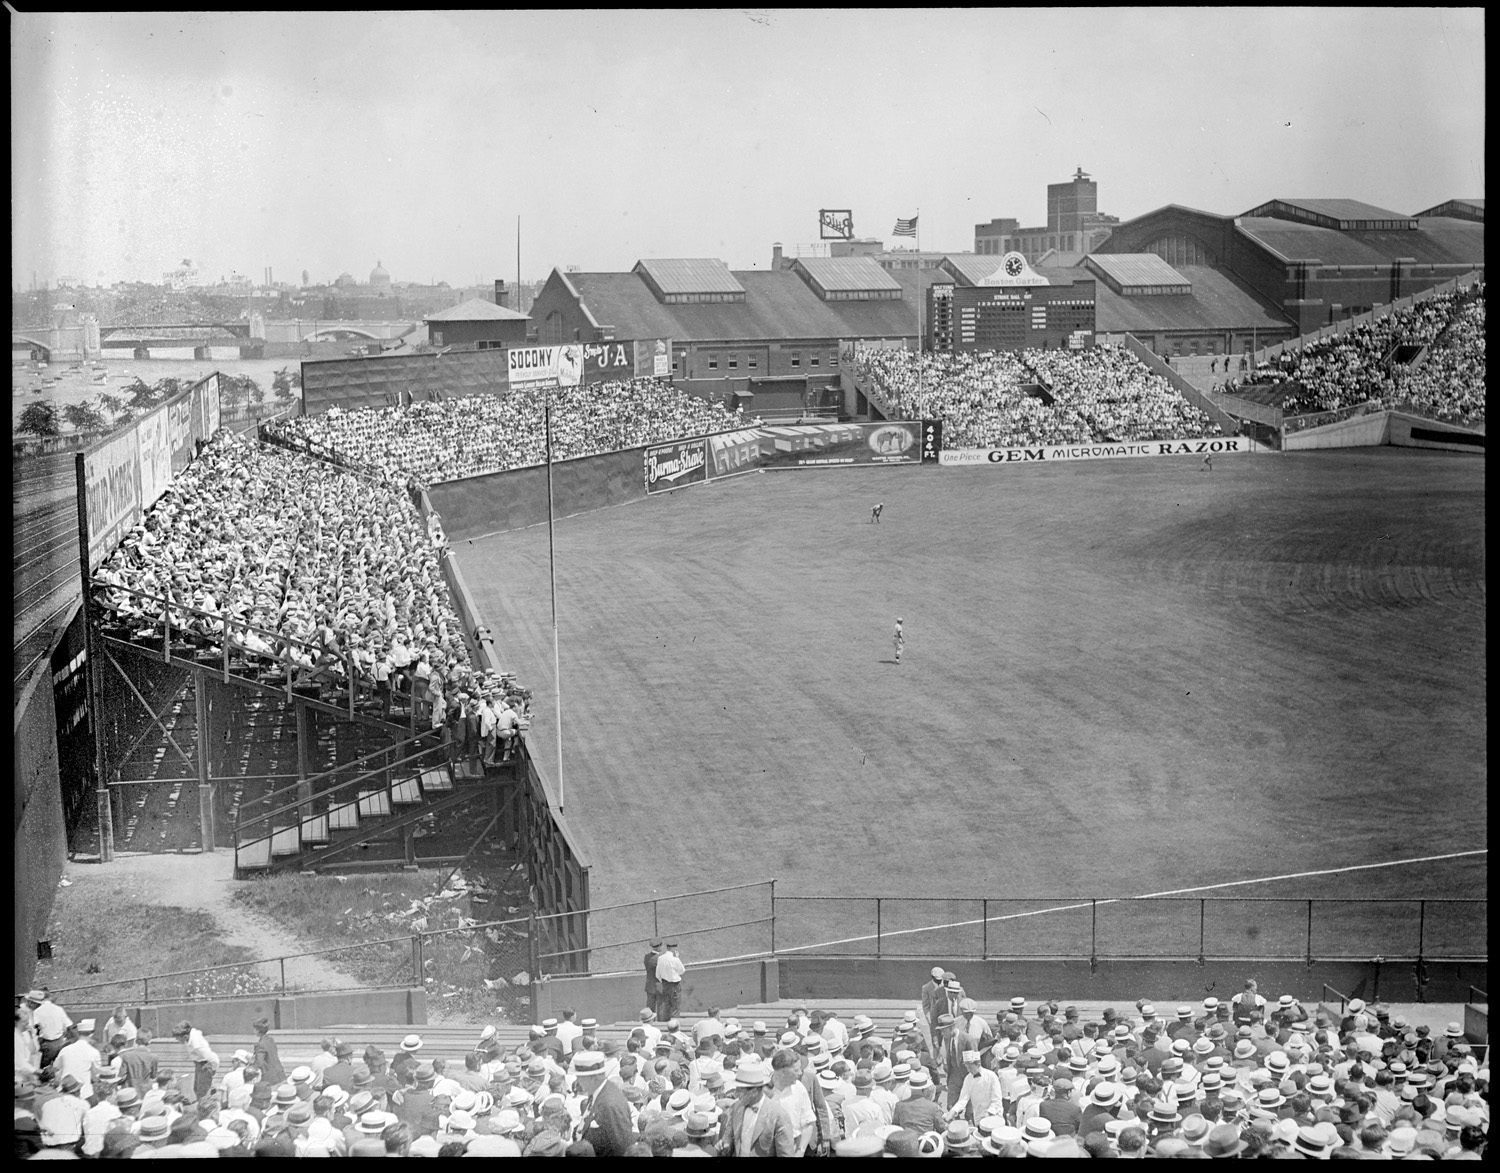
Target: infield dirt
1120 677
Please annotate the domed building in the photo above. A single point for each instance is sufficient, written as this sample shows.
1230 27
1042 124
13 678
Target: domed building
379 278
344 281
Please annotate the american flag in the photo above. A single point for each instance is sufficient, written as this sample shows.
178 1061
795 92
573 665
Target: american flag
905 227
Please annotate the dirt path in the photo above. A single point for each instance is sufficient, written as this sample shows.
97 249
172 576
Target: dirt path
206 882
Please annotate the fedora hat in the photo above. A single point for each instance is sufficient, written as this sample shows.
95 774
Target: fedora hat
1223 1141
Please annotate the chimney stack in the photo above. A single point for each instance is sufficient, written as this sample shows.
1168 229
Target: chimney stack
776 257
500 294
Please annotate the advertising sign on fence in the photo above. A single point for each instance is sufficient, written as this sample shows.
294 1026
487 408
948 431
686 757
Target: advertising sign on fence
1052 453
670 466
646 358
735 451
113 488
897 442
562 365
127 474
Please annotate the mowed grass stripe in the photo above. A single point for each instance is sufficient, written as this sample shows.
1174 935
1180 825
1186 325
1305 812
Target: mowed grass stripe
1121 677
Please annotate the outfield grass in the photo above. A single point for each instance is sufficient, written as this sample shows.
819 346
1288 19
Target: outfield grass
1120 678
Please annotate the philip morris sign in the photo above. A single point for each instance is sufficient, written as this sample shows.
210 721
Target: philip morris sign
669 466
1053 453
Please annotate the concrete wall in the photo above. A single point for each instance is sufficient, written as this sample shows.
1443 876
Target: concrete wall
234 1016
619 997
833 978
1361 431
40 842
1410 431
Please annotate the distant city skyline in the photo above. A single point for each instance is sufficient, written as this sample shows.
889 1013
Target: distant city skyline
328 142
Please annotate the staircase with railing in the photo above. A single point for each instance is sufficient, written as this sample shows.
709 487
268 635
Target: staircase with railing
409 787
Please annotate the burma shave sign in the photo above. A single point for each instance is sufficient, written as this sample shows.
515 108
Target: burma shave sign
1051 453
669 466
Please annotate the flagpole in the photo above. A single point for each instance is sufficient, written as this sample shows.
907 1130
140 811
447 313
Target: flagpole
918 226
552 574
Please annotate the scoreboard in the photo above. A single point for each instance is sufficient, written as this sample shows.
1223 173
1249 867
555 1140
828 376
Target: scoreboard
1013 309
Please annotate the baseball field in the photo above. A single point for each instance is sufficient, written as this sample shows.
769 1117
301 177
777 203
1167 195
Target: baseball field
1120 678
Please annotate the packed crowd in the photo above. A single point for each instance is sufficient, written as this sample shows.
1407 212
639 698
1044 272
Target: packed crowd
1334 373
430 442
1242 1077
313 573
1098 394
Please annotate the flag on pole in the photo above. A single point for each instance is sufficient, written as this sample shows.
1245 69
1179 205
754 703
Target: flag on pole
905 227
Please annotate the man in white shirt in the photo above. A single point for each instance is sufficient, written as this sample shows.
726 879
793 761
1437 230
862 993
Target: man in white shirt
669 972
205 1062
61 1117
787 1090
835 1033
51 1021
78 1057
567 1031
861 1111
119 1024
980 1093
96 1122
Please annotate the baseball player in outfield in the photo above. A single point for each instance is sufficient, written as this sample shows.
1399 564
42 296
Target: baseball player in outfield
899 639
875 513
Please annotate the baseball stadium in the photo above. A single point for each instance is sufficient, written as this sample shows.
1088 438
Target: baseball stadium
1191 683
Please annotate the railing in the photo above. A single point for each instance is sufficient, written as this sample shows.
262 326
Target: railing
1099 928
715 919
245 832
1189 928
217 637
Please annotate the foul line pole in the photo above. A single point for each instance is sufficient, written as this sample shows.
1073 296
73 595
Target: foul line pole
552 574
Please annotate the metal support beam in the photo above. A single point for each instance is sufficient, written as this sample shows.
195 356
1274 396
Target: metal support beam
167 733
304 755
205 787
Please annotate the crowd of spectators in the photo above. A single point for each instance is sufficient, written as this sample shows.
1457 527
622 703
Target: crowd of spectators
1354 367
430 442
1094 395
316 576
1243 1077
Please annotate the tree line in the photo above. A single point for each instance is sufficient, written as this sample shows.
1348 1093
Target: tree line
114 409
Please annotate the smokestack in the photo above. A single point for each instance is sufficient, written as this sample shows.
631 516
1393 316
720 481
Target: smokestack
501 296
776 257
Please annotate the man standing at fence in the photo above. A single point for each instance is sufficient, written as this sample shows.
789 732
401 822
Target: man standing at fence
653 986
669 972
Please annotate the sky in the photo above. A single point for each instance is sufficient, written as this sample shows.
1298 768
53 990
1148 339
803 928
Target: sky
328 142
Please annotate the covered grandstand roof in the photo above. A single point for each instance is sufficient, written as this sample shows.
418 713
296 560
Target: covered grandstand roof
776 305
1436 241
1344 215
1216 302
1139 273
476 309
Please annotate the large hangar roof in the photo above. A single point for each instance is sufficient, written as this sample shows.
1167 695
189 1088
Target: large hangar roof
1347 215
690 275
1435 241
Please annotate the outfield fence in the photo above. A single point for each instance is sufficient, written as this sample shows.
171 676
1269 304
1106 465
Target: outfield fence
748 921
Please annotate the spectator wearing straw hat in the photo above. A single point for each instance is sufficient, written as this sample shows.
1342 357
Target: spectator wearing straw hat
79 1057
605 1114
756 1126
